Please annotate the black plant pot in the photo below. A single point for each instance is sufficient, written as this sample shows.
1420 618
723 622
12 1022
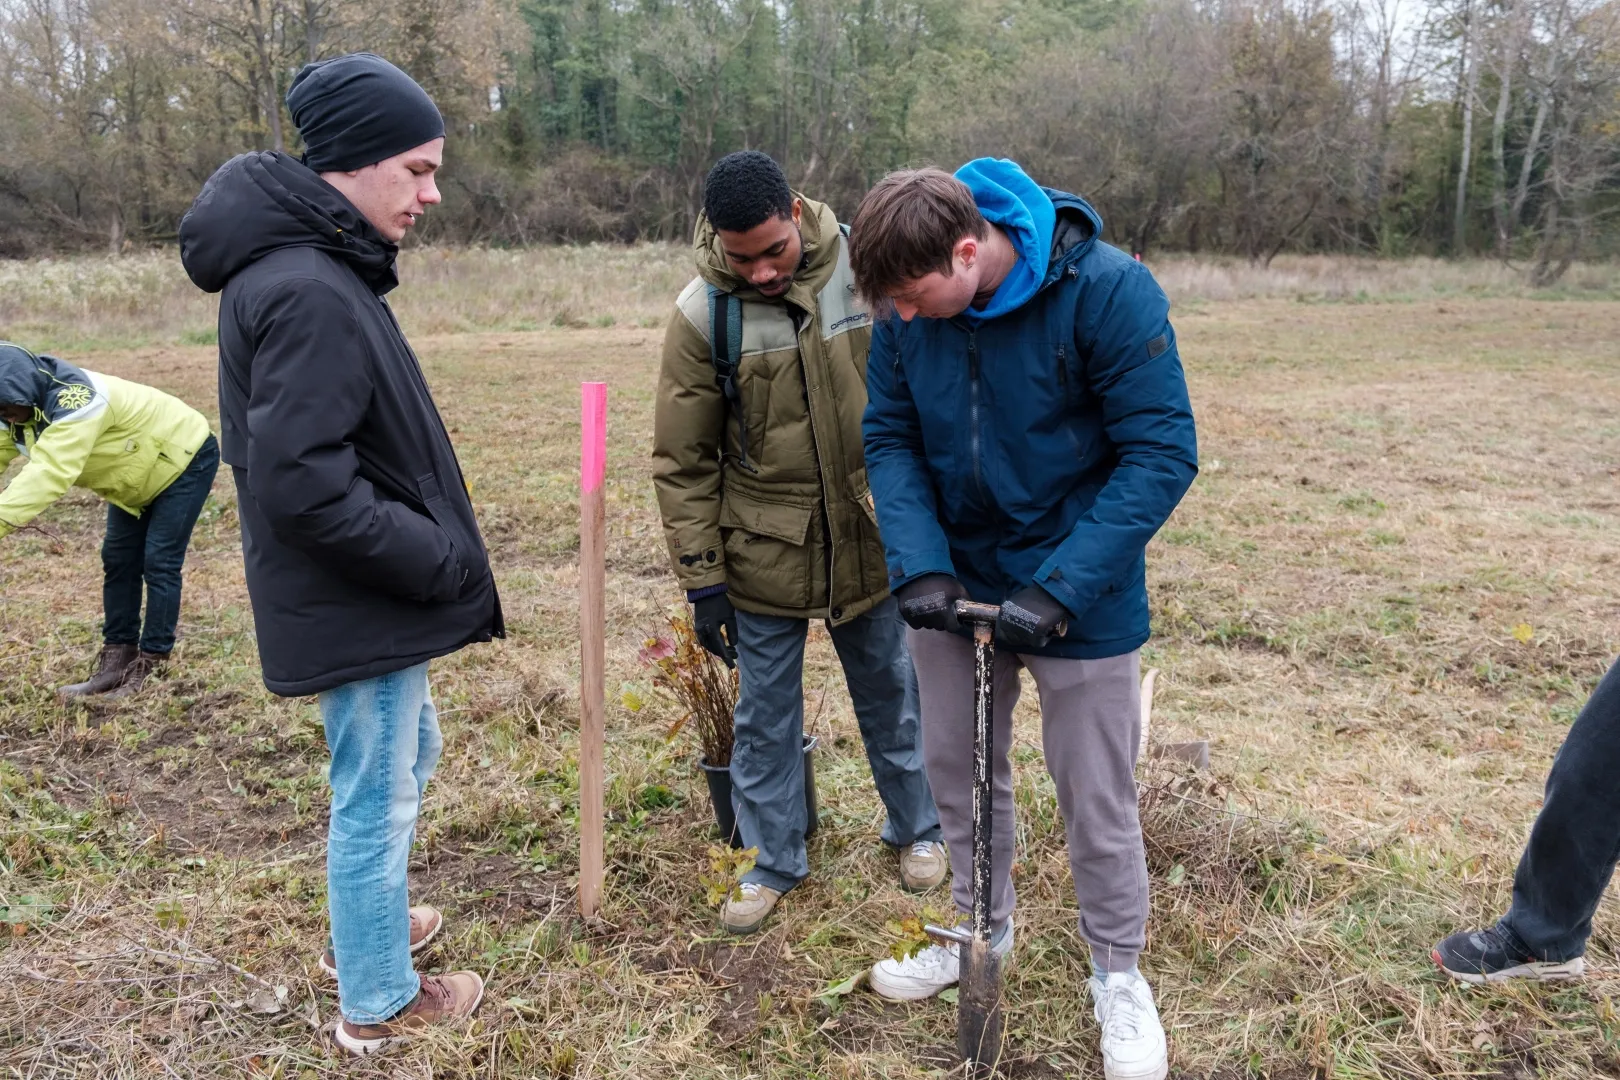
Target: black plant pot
725 815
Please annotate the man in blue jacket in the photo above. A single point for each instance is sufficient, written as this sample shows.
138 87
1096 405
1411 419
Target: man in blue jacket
1028 431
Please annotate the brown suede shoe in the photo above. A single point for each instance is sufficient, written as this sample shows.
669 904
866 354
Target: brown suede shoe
114 662
146 664
426 922
923 865
443 999
746 913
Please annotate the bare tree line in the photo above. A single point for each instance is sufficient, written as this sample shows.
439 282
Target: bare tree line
1244 126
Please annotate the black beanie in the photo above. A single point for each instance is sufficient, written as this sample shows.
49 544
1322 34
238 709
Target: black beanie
357 110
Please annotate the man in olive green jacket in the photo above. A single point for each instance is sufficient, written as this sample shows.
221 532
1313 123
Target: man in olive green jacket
762 488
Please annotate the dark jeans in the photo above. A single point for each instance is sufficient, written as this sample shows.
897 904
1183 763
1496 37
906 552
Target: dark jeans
1576 838
152 548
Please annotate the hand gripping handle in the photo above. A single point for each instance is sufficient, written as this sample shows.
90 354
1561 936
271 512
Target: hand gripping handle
977 614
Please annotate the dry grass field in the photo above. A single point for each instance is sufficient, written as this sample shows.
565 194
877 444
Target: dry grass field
1384 599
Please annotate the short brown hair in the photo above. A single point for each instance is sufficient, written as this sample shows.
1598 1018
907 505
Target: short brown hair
906 228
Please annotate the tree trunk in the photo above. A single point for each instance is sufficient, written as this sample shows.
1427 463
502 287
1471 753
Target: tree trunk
272 111
1459 220
1504 94
262 31
312 31
1545 271
1544 103
1516 211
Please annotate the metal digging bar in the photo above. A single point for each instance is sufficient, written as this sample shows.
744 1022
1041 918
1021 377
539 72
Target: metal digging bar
978 1002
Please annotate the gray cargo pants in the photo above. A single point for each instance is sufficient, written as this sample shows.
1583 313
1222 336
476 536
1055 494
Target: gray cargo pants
1090 722
767 762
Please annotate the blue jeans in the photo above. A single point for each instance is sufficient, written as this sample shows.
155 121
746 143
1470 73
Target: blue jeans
152 548
383 735
767 762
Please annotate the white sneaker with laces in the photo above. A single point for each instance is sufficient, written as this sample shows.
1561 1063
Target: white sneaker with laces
932 969
1133 1044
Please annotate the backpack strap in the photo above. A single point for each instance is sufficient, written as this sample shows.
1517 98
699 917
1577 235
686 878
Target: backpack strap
725 353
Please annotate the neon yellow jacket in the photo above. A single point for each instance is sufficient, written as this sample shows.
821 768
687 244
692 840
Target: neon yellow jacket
124 441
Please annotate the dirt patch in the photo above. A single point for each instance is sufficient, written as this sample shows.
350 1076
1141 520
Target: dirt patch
501 888
750 978
194 806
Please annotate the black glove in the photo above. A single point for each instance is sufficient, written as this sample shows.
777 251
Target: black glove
929 603
1029 618
709 615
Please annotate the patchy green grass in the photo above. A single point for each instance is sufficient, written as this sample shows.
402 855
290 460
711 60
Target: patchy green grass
1383 601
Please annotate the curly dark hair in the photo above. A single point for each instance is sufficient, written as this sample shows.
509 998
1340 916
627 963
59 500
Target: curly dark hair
745 189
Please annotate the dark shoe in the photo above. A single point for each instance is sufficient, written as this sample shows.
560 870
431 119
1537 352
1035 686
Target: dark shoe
426 922
114 662
443 999
135 676
1496 954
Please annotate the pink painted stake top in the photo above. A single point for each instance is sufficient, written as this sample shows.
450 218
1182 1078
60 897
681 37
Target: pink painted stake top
592 434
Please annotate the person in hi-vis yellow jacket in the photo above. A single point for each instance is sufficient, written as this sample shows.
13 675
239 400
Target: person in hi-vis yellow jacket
150 455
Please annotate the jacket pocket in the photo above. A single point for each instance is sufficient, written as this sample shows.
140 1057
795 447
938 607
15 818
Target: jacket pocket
167 465
122 472
874 570
751 412
861 491
469 553
767 558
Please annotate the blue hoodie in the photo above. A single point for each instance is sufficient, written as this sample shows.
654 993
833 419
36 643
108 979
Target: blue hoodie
1020 207
1042 439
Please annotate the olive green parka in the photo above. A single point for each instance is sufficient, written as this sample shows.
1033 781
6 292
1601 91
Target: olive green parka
789 528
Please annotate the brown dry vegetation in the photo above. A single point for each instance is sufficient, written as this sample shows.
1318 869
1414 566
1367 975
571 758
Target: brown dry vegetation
1393 496
92 304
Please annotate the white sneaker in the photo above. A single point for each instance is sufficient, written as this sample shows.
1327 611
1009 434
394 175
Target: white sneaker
1133 1045
932 969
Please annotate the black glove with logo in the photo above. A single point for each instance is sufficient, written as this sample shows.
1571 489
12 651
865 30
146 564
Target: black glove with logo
1029 618
929 603
709 616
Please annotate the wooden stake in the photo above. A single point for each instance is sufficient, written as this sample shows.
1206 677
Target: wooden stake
592 572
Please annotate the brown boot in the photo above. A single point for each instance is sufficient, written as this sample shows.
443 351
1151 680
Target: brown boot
115 660
426 922
147 663
443 999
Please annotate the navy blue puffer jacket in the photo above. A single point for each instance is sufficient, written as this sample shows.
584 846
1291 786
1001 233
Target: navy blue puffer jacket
1046 443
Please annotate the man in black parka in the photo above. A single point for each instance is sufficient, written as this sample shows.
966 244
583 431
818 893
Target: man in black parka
364 560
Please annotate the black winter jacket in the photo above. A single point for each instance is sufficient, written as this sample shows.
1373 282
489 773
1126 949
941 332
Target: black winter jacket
363 556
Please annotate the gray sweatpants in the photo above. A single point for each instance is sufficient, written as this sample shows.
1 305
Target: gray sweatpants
1090 723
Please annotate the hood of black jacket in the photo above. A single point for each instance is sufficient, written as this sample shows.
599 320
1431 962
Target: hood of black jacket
264 201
